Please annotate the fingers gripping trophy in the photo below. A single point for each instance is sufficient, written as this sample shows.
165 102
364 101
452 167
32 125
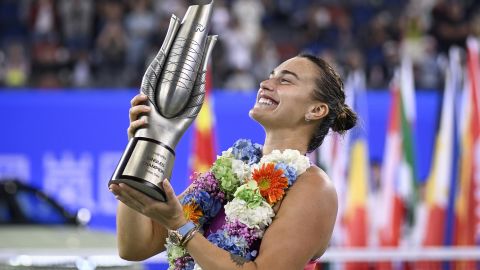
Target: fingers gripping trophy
174 83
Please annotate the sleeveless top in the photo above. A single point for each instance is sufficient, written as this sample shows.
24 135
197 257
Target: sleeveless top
218 222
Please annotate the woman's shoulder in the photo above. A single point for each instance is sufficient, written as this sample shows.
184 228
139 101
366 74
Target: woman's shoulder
311 204
313 190
314 183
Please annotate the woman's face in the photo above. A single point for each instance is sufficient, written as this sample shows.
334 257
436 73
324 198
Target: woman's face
285 98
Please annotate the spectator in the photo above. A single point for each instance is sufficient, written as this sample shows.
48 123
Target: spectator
70 40
139 25
266 56
220 17
450 25
17 67
44 20
428 74
111 48
238 49
77 23
241 80
81 74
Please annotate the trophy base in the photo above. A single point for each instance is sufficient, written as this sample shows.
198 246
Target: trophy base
144 165
145 187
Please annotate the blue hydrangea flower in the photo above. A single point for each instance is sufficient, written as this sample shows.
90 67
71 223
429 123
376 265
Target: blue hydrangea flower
190 265
189 197
247 151
232 244
209 205
289 172
252 255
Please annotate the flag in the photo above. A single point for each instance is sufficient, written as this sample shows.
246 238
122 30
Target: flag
398 170
356 211
441 174
438 181
466 203
204 142
332 157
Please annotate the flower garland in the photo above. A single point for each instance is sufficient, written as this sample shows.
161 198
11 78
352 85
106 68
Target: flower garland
247 185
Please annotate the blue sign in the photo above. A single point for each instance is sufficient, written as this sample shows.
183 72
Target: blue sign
68 143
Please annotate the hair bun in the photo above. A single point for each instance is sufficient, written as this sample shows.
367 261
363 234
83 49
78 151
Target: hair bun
345 120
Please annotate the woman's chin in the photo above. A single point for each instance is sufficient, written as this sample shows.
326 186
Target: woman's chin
259 115
256 113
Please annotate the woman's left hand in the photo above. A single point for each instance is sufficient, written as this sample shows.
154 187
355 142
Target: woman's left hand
169 213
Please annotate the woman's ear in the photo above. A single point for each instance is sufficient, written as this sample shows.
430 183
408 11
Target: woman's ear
316 111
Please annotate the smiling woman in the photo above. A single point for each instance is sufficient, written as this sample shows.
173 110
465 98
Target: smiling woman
238 215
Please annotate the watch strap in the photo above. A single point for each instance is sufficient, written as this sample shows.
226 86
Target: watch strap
189 236
186 228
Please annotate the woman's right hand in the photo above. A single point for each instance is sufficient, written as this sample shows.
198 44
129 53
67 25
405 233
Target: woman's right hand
137 107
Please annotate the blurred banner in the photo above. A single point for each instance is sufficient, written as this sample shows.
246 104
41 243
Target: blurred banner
204 150
68 142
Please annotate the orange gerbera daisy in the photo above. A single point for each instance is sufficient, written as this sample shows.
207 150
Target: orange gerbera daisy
271 182
192 212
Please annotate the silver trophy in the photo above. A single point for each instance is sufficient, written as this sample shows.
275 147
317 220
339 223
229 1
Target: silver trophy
175 85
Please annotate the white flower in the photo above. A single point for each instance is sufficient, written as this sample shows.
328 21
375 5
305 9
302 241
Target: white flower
290 157
173 251
241 170
197 267
227 153
258 217
274 156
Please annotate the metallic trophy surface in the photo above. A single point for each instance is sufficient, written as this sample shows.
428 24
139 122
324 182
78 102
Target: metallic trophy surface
175 85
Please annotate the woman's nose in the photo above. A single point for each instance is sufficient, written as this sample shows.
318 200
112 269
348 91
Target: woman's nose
266 85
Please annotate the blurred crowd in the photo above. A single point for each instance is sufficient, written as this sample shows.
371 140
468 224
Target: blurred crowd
109 43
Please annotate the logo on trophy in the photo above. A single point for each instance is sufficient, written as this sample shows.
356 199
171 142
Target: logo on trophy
175 85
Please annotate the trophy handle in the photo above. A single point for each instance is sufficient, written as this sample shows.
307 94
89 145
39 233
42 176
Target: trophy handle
151 77
198 94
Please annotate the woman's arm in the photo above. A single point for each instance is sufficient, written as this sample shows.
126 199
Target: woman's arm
301 230
139 237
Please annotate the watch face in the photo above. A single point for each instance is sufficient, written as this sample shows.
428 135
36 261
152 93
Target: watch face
174 237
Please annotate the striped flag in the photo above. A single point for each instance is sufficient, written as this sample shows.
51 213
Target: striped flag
356 211
332 156
467 201
398 170
204 142
441 174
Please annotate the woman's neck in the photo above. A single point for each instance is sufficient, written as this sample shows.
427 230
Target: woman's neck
281 140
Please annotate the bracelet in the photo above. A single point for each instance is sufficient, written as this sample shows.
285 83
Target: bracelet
188 236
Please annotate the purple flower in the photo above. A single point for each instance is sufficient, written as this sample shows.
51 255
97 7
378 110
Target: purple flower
289 172
207 182
184 263
239 229
247 151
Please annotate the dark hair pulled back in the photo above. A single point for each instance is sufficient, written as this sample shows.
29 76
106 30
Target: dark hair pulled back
329 89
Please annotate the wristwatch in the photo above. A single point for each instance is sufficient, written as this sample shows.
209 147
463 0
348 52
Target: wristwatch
180 236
